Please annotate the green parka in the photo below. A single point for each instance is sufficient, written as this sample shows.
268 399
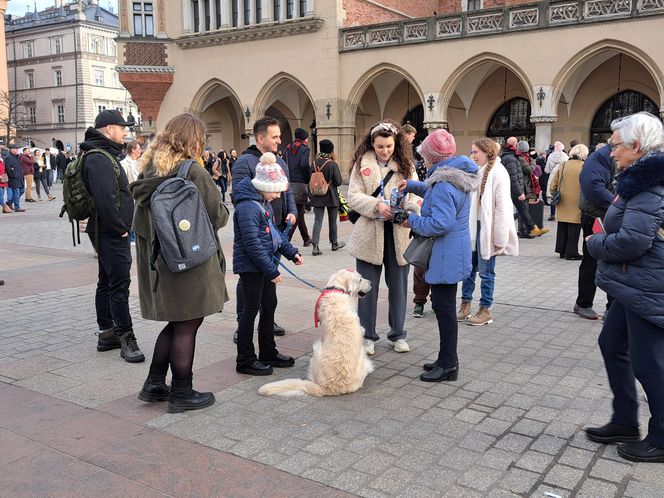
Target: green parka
191 294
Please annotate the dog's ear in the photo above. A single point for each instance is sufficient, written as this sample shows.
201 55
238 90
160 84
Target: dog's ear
353 282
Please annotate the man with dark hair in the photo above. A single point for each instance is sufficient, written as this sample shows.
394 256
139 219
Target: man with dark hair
267 134
297 155
28 173
108 228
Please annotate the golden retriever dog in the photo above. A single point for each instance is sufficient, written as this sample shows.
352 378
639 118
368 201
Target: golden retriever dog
339 364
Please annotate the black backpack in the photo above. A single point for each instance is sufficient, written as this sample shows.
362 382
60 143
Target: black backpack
184 235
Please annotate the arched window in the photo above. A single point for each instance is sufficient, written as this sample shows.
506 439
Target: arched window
415 117
621 104
512 119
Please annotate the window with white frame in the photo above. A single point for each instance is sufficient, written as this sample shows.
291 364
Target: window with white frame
59 109
100 108
92 44
32 114
57 76
143 13
112 48
99 77
56 45
29 80
28 49
471 5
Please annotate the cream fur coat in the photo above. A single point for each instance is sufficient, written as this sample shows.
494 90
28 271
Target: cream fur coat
497 231
367 240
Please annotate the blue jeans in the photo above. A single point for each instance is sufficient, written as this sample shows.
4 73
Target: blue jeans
2 196
15 197
486 269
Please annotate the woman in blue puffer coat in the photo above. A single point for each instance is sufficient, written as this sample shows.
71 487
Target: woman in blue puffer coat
631 269
445 215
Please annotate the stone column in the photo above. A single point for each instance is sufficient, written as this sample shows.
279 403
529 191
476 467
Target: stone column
187 18
543 131
543 115
282 17
309 11
267 11
213 15
201 16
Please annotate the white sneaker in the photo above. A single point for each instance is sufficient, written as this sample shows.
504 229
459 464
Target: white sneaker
369 347
401 346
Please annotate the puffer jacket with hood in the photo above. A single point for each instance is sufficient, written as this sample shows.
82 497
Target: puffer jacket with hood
513 167
113 204
445 215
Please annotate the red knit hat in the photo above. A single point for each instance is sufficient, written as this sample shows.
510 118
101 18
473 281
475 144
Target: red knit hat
437 146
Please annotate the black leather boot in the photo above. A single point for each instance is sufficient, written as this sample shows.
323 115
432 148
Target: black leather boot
183 397
129 348
107 340
439 374
613 433
155 389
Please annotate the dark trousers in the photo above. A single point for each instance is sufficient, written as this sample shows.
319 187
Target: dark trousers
443 297
300 223
258 293
332 215
567 239
223 186
633 347
420 288
587 270
396 278
112 295
523 213
41 181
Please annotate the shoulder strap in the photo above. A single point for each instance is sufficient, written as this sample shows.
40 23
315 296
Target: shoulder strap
320 168
183 171
386 180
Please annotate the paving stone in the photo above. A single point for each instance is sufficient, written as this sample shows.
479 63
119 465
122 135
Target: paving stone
480 478
515 443
637 489
392 482
576 457
592 488
534 461
519 481
610 471
564 476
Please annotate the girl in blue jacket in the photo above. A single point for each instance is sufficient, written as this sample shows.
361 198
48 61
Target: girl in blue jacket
257 241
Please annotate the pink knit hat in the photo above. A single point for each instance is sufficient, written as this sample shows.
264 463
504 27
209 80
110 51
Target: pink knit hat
558 147
437 146
269 176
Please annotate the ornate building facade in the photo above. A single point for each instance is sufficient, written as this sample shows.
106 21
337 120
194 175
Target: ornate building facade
61 69
553 70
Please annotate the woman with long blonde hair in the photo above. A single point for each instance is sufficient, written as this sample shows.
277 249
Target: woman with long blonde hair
181 299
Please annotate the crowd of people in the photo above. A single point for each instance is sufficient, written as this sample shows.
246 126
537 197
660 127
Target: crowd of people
464 206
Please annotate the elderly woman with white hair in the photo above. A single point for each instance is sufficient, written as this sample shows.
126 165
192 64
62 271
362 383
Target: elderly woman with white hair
631 269
566 181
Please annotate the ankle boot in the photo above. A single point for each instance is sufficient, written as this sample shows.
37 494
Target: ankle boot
316 250
183 397
337 245
6 209
129 348
107 340
155 389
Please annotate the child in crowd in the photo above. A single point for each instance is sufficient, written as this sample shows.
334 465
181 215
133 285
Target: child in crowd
257 241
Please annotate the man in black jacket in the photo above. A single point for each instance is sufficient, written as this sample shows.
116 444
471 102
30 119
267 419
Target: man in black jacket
513 167
15 174
108 229
297 155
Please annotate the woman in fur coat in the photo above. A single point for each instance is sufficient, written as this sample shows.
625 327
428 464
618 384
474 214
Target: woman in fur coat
376 242
492 230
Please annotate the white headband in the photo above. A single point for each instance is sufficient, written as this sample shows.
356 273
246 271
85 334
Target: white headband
388 127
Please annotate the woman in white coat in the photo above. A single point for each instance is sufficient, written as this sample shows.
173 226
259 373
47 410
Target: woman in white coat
492 230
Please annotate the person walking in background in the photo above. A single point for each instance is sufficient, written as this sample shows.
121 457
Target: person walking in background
565 180
596 181
40 176
50 165
326 163
60 161
445 217
553 162
130 166
377 243
298 156
15 174
182 299
491 228
631 269
4 186
28 169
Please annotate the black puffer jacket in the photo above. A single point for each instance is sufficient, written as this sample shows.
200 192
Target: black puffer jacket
297 156
513 167
114 205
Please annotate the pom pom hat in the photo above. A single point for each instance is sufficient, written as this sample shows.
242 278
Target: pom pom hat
269 175
437 146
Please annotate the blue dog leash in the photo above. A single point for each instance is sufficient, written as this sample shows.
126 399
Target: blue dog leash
284 237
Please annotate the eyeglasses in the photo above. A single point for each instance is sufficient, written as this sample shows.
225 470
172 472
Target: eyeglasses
613 146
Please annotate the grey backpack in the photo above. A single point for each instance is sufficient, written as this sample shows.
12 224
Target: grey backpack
183 232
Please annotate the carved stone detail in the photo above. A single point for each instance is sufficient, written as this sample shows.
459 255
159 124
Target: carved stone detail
564 12
526 17
354 39
416 31
448 27
484 23
603 8
380 36
650 5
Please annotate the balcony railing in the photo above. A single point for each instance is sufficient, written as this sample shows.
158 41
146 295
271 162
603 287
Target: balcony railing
494 21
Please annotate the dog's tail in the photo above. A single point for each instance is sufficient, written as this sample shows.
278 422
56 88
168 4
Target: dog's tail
292 387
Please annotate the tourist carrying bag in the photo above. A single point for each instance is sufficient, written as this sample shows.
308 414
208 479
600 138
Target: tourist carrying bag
353 215
555 198
418 252
318 186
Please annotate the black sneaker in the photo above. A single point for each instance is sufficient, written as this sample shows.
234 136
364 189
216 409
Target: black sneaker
107 340
642 451
129 349
418 311
277 330
613 433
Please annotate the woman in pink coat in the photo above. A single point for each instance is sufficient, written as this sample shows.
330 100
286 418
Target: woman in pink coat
492 230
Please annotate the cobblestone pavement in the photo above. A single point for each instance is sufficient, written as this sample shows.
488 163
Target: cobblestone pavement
510 426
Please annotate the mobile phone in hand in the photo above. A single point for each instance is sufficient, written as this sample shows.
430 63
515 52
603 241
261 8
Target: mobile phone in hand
598 226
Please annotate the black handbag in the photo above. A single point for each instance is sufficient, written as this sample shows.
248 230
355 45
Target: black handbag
555 198
418 252
353 215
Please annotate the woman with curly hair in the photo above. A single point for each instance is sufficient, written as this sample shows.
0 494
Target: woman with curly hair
181 299
381 161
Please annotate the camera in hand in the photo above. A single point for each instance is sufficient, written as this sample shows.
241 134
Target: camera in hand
399 215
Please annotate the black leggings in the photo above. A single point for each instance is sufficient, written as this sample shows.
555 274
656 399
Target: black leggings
175 346
258 293
443 297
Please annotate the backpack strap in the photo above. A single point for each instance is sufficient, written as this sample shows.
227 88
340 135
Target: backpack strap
320 168
183 171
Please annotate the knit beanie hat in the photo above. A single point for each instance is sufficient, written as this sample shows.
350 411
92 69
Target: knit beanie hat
437 146
301 134
326 146
558 147
269 175
523 146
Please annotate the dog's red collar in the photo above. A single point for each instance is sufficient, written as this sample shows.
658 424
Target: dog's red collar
325 292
